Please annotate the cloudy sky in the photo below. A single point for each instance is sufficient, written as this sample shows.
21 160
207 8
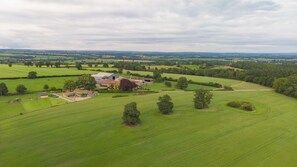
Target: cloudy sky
150 25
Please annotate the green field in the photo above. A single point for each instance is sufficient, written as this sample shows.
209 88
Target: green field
36 84
29 102
90 133
163 87
22 71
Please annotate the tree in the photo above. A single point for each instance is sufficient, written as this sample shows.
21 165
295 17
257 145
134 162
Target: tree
32 75
165 105
69 85
90 65
21 89
202 98
182 83
86 82
131 114
105 65
168 83
9 64
57 64
120 70
3 89
127 85
78 66
46 87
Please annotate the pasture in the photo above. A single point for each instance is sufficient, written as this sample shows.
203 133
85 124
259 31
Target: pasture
90 133
29 102
22 71
37 84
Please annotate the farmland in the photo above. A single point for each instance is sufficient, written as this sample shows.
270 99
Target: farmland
188 137
34 85
22 71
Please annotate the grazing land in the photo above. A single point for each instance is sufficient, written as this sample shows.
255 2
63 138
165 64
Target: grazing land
22 71
89 133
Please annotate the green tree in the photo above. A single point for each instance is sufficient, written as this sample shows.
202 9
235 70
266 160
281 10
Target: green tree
202 98
3 89
53 88
9 64
69 85
86 82
21 89
182 83
105 65
131 114
46 87
78 66
32 75
165 105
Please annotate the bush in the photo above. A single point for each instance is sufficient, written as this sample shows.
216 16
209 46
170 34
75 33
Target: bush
165 105
46 87
168 84
228 88
247 106
235 104
131 114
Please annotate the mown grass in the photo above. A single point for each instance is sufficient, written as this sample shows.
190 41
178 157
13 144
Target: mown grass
163 87
22 71
34 85
29 102
90 133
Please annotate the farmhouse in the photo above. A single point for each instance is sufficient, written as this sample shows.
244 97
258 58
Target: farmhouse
104 75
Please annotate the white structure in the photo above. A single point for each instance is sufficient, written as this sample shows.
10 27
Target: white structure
104 75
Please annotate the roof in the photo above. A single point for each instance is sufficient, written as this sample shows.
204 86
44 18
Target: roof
102 75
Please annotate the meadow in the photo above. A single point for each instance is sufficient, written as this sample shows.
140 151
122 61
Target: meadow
90 133
22 71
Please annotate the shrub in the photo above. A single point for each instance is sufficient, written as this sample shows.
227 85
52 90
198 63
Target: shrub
46 87
131 114
165 105
168 84
247 106
228 88
202 98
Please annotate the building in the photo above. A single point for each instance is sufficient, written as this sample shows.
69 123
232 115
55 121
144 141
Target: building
104 75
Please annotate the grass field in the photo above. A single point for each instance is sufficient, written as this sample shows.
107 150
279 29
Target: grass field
22 71
37 84
90 133
29 102
163 87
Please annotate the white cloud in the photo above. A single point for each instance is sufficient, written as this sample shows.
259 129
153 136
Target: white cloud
153 25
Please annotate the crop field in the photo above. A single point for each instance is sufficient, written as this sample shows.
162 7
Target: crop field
22 71
33 85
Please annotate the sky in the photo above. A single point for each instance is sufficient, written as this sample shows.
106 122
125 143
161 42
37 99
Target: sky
150 25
